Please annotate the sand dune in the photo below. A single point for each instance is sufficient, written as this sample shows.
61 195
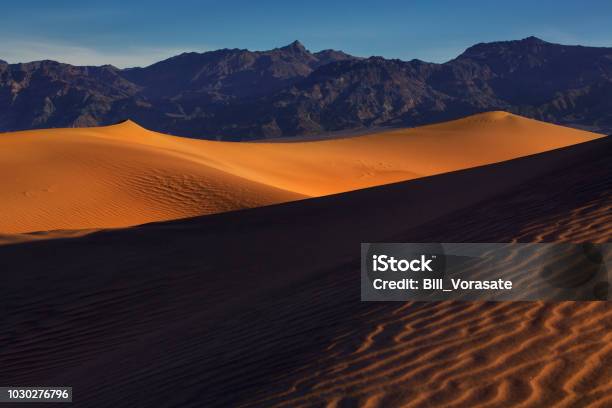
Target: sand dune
123 175
259 308
112 177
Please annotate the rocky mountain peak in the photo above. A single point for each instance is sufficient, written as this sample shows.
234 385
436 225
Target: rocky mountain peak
295 46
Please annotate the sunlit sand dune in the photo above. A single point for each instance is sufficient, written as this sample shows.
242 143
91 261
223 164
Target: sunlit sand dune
123 175
261 307
110 177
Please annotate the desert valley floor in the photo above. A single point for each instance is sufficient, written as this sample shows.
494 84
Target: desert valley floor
242 286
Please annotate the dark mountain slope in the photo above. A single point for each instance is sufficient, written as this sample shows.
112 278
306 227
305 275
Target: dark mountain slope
287 91
227 74
51 94
562 84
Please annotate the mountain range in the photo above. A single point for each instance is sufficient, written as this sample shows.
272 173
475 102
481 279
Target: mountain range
237 94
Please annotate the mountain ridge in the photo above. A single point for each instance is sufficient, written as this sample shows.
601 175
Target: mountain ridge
237 94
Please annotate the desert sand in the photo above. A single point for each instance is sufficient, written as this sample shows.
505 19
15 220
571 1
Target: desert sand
260 308
124 175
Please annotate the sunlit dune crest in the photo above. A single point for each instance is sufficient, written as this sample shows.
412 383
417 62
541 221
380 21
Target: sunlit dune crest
123 175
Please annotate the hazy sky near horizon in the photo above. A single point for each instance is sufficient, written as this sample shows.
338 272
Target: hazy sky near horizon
128 34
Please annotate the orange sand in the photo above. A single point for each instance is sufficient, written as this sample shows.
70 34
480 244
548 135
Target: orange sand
261 308
123 175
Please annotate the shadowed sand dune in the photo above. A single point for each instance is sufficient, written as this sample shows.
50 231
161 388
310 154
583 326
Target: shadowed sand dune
123 175
261 307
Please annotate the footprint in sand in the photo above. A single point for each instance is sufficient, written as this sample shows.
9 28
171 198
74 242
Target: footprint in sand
34 193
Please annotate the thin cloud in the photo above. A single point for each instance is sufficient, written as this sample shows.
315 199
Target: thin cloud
31 50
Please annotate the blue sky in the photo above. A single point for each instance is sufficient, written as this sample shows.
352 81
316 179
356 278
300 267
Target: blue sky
126 33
